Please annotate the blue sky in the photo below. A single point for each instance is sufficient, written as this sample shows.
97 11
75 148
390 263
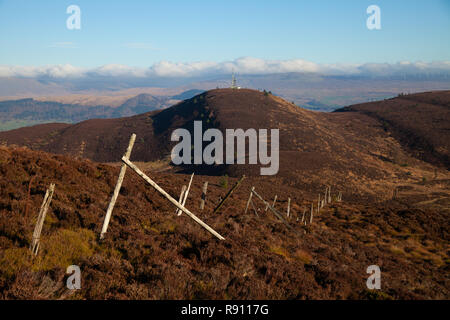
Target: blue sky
141 33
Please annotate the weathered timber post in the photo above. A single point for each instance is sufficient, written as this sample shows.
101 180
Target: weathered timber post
186 194
41 218
303 217
169 197
229 194
254 208
249 199
312 213
289 208
202 201
318 205
274 201
183 191
123 170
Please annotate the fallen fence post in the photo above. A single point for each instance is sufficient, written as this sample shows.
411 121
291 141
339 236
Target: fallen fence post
169 197
183 191
41 218
249 199
229 194
123 170
202 201
186 195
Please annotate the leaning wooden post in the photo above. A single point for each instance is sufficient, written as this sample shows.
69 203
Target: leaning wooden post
312 213
183 191
205 189
186 194
169 197
229 194
41 218
289 208
123 170
249 199
273 204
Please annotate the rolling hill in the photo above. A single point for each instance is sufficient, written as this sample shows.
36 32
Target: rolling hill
316 148
394 213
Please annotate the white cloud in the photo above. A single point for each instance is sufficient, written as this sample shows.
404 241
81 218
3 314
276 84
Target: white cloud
245 65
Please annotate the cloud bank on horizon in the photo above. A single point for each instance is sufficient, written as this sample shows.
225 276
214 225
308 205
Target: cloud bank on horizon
243 66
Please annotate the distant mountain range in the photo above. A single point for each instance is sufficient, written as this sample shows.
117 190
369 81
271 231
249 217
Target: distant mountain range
23 112
313 91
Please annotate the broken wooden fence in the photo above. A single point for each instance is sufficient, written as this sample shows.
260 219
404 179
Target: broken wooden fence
169 197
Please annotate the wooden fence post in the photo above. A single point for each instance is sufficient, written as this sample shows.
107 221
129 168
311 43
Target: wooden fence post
183 191
312 213
318 205
229 194
289 208
41 218
273 204
123 170
186 195
169 197
202 201
249 199
303 217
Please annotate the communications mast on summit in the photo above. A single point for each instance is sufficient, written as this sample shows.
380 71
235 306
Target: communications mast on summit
233 82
